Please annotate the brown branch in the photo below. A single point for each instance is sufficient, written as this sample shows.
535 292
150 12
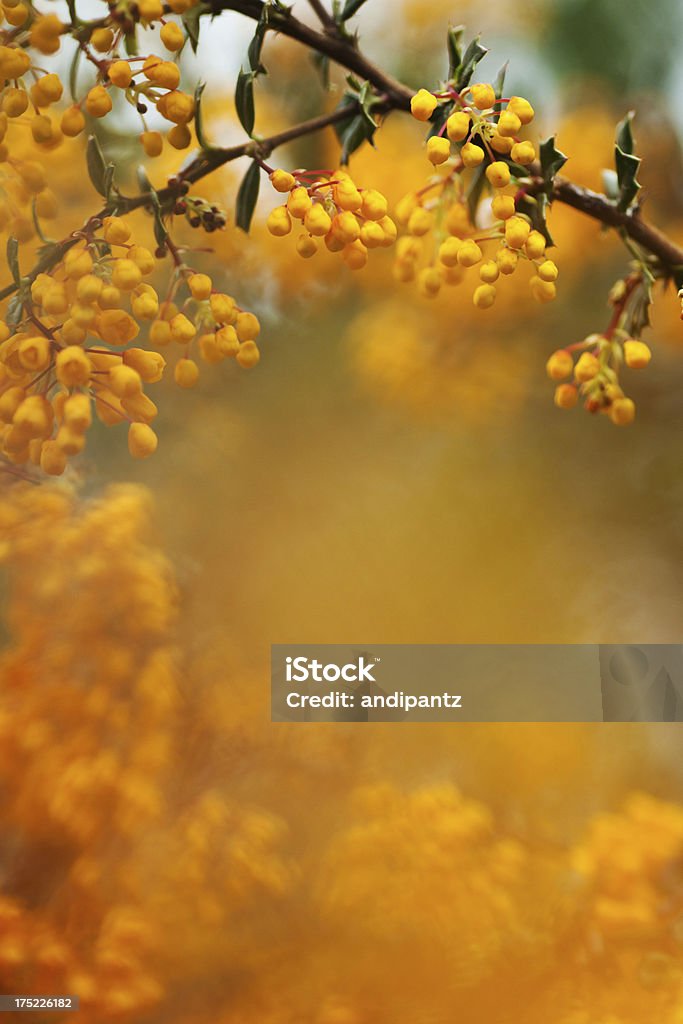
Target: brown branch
324 16
339 48
597 206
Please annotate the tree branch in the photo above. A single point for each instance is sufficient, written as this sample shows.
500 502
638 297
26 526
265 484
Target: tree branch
341 49
325 18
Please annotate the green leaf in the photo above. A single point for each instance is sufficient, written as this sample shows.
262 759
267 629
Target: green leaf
130 42
101 173
499 85
198 116
244 100
256 45
13 259
552 160
350 8
322 63
357 129
473 54
191 23
367 100
454 47
73 73
626 163
474 192
247 196
536 208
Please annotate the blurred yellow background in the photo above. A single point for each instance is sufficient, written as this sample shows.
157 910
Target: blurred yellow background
393 471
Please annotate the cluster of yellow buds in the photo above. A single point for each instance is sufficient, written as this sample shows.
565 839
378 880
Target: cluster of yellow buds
71 352
334 211
28 90
595 375
441 241
480 125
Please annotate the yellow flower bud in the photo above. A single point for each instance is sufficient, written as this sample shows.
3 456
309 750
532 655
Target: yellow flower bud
172 36
503 207
484 296
34 353
98 101
346 227
506 260
469 253
101 39
124 381
448 251
52 458
420 222
471 155
279 223
547 271
535 245
522 108
508 124
152 143
458 126
299 202
636 354
248 355
489 272
182 329
72 366
116 231
77 412
560 364
14 102
483 96
142 258
622 412
317 221
116 327
149 365
429 282
523 153
200 286
72 122
247 327
125 275
438 149
566 396
587 367
142 441
282 181
160 333
374 205
120 74
517 230
423 105
179 136
186 373
498 174
223 308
